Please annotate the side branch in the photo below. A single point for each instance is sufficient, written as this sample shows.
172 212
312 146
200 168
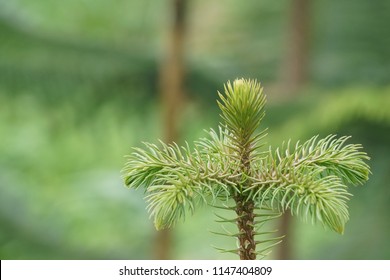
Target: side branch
175 180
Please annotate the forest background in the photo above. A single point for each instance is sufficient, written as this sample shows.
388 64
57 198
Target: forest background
81 82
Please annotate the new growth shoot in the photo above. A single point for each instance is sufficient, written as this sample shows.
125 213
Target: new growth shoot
232 166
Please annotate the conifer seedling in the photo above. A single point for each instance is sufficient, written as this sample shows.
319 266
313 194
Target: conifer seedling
232 169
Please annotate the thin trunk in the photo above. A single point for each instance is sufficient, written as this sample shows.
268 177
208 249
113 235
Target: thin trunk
172 84
163 244
295 66
245 223
172 73
245 209
295 75
285 251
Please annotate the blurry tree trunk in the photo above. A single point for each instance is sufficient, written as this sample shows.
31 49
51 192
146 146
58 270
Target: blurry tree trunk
295 65
285 251
294 77
172 92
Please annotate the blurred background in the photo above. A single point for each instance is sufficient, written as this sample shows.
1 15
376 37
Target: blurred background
81 82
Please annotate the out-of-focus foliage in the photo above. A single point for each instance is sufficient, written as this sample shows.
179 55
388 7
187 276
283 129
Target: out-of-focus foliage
78 88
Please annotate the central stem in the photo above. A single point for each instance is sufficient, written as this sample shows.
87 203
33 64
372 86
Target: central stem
245 223
245 209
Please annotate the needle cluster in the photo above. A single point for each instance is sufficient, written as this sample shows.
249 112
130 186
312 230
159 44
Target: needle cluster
310 179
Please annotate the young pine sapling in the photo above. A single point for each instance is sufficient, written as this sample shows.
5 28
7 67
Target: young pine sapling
309 179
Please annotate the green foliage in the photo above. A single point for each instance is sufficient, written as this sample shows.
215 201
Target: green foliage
242 110
175 179
54 78
310 180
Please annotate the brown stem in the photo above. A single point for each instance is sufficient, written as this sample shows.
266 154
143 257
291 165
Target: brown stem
245 223
295 65
285 251
172 89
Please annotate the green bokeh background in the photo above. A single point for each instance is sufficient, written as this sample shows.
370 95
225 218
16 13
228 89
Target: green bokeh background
79 88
